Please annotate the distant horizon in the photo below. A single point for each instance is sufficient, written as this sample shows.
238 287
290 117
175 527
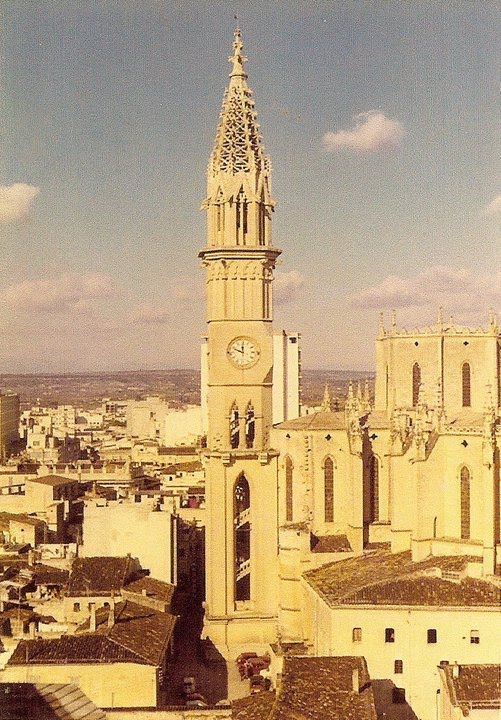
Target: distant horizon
166 370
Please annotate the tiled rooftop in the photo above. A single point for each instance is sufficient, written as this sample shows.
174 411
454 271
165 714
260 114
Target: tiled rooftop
323 420
138 629
156 589
140 635
44 701
330 544
98 575
72 649
253 707
53 480
314 688
382 578
475 685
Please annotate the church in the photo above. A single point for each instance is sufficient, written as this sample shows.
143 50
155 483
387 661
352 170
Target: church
372 531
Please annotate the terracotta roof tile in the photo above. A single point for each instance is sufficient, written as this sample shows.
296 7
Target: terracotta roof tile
330 544
314 688
323 420
475 685
98 575
383 578
138 629
53 480
72 649
253 707
153 588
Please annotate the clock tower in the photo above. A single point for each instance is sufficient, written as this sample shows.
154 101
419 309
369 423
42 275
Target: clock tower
237 362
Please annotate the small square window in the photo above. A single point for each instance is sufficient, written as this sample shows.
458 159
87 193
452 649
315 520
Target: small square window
389 635
432 636
76 607
356 635
398 667
474 637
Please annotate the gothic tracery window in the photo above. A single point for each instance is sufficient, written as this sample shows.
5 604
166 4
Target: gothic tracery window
242 539
416 382
466 384
329 490
234 427
250 426
288 489
464 477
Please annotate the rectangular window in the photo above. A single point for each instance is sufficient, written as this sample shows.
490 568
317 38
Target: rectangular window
398 667
432 636
389 635
76 607
474 637
356 634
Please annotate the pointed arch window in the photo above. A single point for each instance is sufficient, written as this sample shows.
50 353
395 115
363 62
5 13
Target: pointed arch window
242 541
329 490
288 489
373 489
465 481
262 218
241 216
250 426
466 384
234 427
416 382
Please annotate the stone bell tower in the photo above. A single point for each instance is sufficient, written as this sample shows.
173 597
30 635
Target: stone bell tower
241 469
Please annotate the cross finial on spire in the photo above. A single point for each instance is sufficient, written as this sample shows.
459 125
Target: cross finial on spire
238 59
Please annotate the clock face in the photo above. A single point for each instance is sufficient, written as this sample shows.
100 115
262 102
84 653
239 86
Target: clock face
243 352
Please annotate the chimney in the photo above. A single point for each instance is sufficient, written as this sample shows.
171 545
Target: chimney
355 680
32 628
92 621
144 592
31 557
111 616
455 670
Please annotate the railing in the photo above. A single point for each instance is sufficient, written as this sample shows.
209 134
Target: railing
243 569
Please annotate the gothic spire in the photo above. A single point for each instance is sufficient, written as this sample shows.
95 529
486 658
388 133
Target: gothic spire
238 146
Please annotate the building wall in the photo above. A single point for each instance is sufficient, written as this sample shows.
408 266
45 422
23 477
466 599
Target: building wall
440 354
125 527
330 631
106 684
9 423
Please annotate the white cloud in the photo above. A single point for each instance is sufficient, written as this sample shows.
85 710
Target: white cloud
457 290
373 132
287 286
148 314
16 201
57 294
494 207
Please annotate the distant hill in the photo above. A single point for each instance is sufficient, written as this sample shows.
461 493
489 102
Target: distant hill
178 387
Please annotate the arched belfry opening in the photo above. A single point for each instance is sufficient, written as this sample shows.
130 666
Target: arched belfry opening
241 217
250 426
234 427
241 509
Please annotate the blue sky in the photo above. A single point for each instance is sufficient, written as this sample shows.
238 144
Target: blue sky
382 122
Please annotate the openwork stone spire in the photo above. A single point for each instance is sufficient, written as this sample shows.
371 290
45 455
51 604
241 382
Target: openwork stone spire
238 146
